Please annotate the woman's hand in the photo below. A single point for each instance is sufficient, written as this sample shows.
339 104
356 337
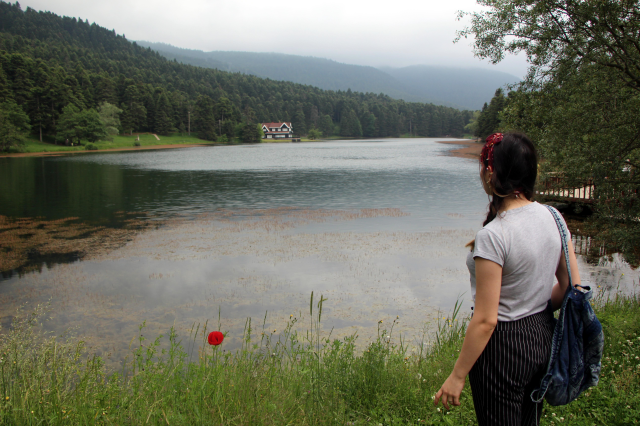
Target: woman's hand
450 391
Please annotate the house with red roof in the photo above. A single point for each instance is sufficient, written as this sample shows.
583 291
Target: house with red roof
277 130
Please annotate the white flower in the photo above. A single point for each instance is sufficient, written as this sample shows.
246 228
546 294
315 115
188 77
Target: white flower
388 337
438 409
419 376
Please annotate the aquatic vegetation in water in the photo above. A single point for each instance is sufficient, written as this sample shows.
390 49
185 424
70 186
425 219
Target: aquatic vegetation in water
28 243
248 262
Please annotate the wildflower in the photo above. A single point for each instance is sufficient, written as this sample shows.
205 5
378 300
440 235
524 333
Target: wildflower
388 337
274 330
215 338
419 376
438 409
291 316
7 398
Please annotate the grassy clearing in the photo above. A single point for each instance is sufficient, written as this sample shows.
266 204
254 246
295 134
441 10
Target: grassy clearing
298 379
119 142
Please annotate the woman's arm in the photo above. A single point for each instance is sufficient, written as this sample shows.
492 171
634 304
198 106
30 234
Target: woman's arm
557 294
479 331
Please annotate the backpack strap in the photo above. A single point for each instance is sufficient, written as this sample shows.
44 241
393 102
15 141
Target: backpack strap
538 394
564 236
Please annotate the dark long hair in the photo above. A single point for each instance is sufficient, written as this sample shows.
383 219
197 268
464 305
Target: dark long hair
515 168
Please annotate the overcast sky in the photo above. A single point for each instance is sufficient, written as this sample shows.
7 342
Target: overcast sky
374 32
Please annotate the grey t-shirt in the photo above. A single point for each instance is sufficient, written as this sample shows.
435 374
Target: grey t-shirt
526 243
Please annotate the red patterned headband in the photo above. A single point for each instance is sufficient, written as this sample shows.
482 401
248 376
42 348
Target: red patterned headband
487 150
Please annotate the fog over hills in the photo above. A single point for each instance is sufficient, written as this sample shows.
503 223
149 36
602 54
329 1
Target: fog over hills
468 87
463 88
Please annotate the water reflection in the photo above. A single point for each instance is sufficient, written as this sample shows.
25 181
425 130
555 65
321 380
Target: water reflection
410 174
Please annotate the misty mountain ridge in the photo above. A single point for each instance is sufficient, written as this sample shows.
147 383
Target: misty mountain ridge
462 88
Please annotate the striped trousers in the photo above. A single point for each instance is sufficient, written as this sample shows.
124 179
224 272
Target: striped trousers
509 369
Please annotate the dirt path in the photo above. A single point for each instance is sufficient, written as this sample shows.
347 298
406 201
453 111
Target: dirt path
470 149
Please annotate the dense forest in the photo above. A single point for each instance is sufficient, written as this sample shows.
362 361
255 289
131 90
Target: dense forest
60 71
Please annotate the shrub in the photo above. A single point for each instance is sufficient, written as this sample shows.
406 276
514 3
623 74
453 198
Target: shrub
90 147
16 149
136 143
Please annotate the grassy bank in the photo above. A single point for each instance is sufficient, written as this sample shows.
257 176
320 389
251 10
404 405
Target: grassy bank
299 379
119 142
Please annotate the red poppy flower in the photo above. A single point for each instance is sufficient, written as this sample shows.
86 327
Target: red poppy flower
215 338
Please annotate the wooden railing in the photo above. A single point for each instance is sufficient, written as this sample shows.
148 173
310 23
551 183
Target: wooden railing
553 187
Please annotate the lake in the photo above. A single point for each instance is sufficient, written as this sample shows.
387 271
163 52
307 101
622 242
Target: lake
185 236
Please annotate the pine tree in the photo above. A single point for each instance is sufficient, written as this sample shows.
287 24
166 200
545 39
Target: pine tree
350 125
164 113
5 92
299 122
37 106
368 122
325 125
203 120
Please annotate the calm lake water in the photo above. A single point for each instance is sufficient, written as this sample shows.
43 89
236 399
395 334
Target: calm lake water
377 227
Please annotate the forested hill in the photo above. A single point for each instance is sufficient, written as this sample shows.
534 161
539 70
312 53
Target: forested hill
323 73
463 88
48 62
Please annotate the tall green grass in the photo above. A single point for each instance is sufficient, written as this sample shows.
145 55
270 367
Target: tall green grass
294 378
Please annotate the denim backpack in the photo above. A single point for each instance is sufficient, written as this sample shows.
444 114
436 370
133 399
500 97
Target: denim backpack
576 348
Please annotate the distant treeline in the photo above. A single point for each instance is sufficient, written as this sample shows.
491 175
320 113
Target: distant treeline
48 62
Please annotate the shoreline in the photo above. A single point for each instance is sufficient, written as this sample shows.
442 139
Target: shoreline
133 148
470 150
